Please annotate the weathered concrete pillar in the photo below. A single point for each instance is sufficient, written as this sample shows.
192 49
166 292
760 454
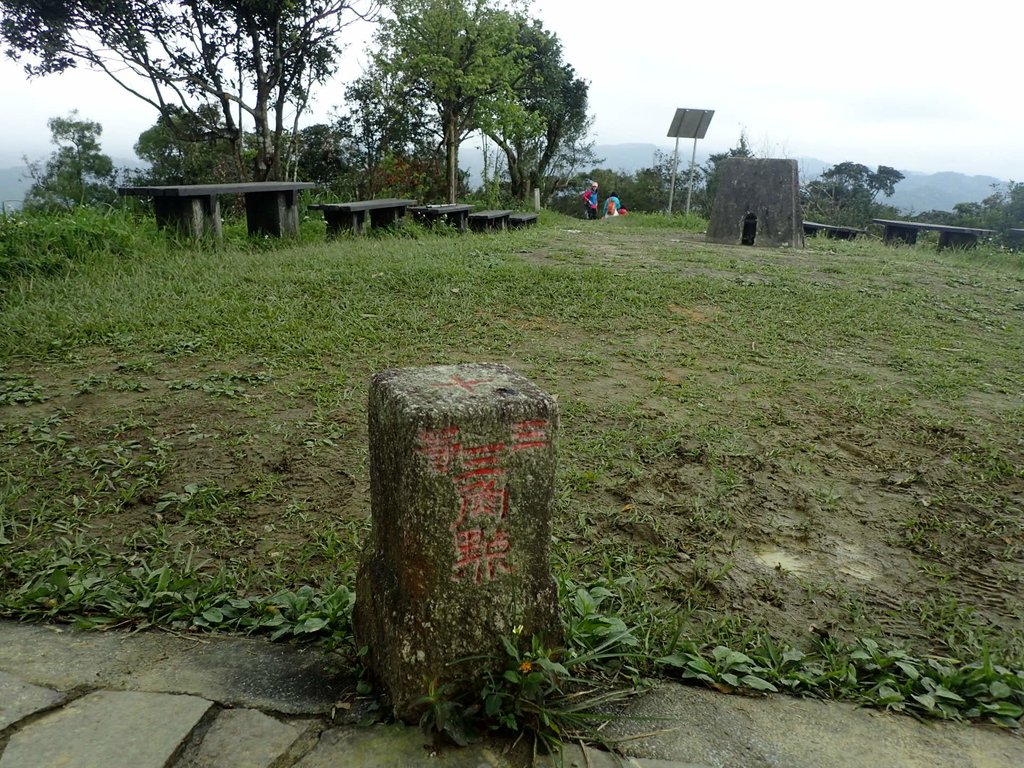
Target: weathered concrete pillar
194 217
758 203
274 213
462 469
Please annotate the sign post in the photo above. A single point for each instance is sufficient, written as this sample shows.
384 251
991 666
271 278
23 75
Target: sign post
687 124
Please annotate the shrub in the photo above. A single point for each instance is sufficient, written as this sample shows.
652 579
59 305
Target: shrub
47 243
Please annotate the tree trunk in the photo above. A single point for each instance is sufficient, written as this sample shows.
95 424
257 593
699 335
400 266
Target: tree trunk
451 140
519 183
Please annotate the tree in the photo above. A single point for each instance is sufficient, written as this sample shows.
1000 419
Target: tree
457 56
254 58
389 137
321 156
544 120
846 193
77 173
1002 210
176 160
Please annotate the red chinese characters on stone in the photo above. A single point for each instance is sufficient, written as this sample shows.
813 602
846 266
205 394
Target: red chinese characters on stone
478 473
529 434
482 499
468 385
441 448
480 556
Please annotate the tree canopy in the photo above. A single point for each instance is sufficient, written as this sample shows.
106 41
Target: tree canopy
176 160
459 57
846 193
255 59
542 126
77 173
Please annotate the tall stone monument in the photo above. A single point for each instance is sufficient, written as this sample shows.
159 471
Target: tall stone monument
757 203
462 472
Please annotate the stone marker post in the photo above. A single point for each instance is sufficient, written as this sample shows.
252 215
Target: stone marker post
758 203
462 471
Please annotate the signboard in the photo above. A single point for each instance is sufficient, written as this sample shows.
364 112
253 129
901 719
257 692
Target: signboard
690 123
687 124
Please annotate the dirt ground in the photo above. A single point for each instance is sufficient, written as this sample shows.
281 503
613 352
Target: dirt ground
799 509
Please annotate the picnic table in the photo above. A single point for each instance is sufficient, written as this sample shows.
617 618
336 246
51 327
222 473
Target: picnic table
352 216
949 236
271 207
832 231
482 221
455 214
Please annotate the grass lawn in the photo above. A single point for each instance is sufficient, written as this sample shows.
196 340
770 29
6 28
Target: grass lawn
819 450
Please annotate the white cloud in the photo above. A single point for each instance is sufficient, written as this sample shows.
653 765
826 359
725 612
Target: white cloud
879 82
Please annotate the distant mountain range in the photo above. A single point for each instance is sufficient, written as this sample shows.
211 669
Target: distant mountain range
917 193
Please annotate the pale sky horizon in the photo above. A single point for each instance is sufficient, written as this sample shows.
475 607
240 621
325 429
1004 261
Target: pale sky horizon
920 88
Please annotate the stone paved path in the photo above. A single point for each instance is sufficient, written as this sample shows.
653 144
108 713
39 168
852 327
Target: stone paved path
153 700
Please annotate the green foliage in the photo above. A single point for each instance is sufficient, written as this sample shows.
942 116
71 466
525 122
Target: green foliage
16 389
692 222
725 667
445 715
77 174
180 149
386 140
322 155
219 61
48 243
868 672
1002 210
845 193
542 125
458 56
95 587
554 694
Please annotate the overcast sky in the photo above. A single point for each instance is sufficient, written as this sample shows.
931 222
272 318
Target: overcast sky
921 87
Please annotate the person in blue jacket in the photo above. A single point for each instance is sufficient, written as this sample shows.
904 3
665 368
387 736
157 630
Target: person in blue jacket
612 205
590 201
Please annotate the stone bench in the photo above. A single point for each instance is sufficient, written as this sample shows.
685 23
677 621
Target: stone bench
484 221
351 217
271 207
519 220
949 236
455 214
834 232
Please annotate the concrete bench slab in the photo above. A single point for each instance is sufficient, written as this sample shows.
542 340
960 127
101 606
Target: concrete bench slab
455 214
949 236
271 207
517 220
351 217
831 231
483 221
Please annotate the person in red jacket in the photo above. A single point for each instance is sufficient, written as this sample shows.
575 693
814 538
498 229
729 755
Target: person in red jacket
590 201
